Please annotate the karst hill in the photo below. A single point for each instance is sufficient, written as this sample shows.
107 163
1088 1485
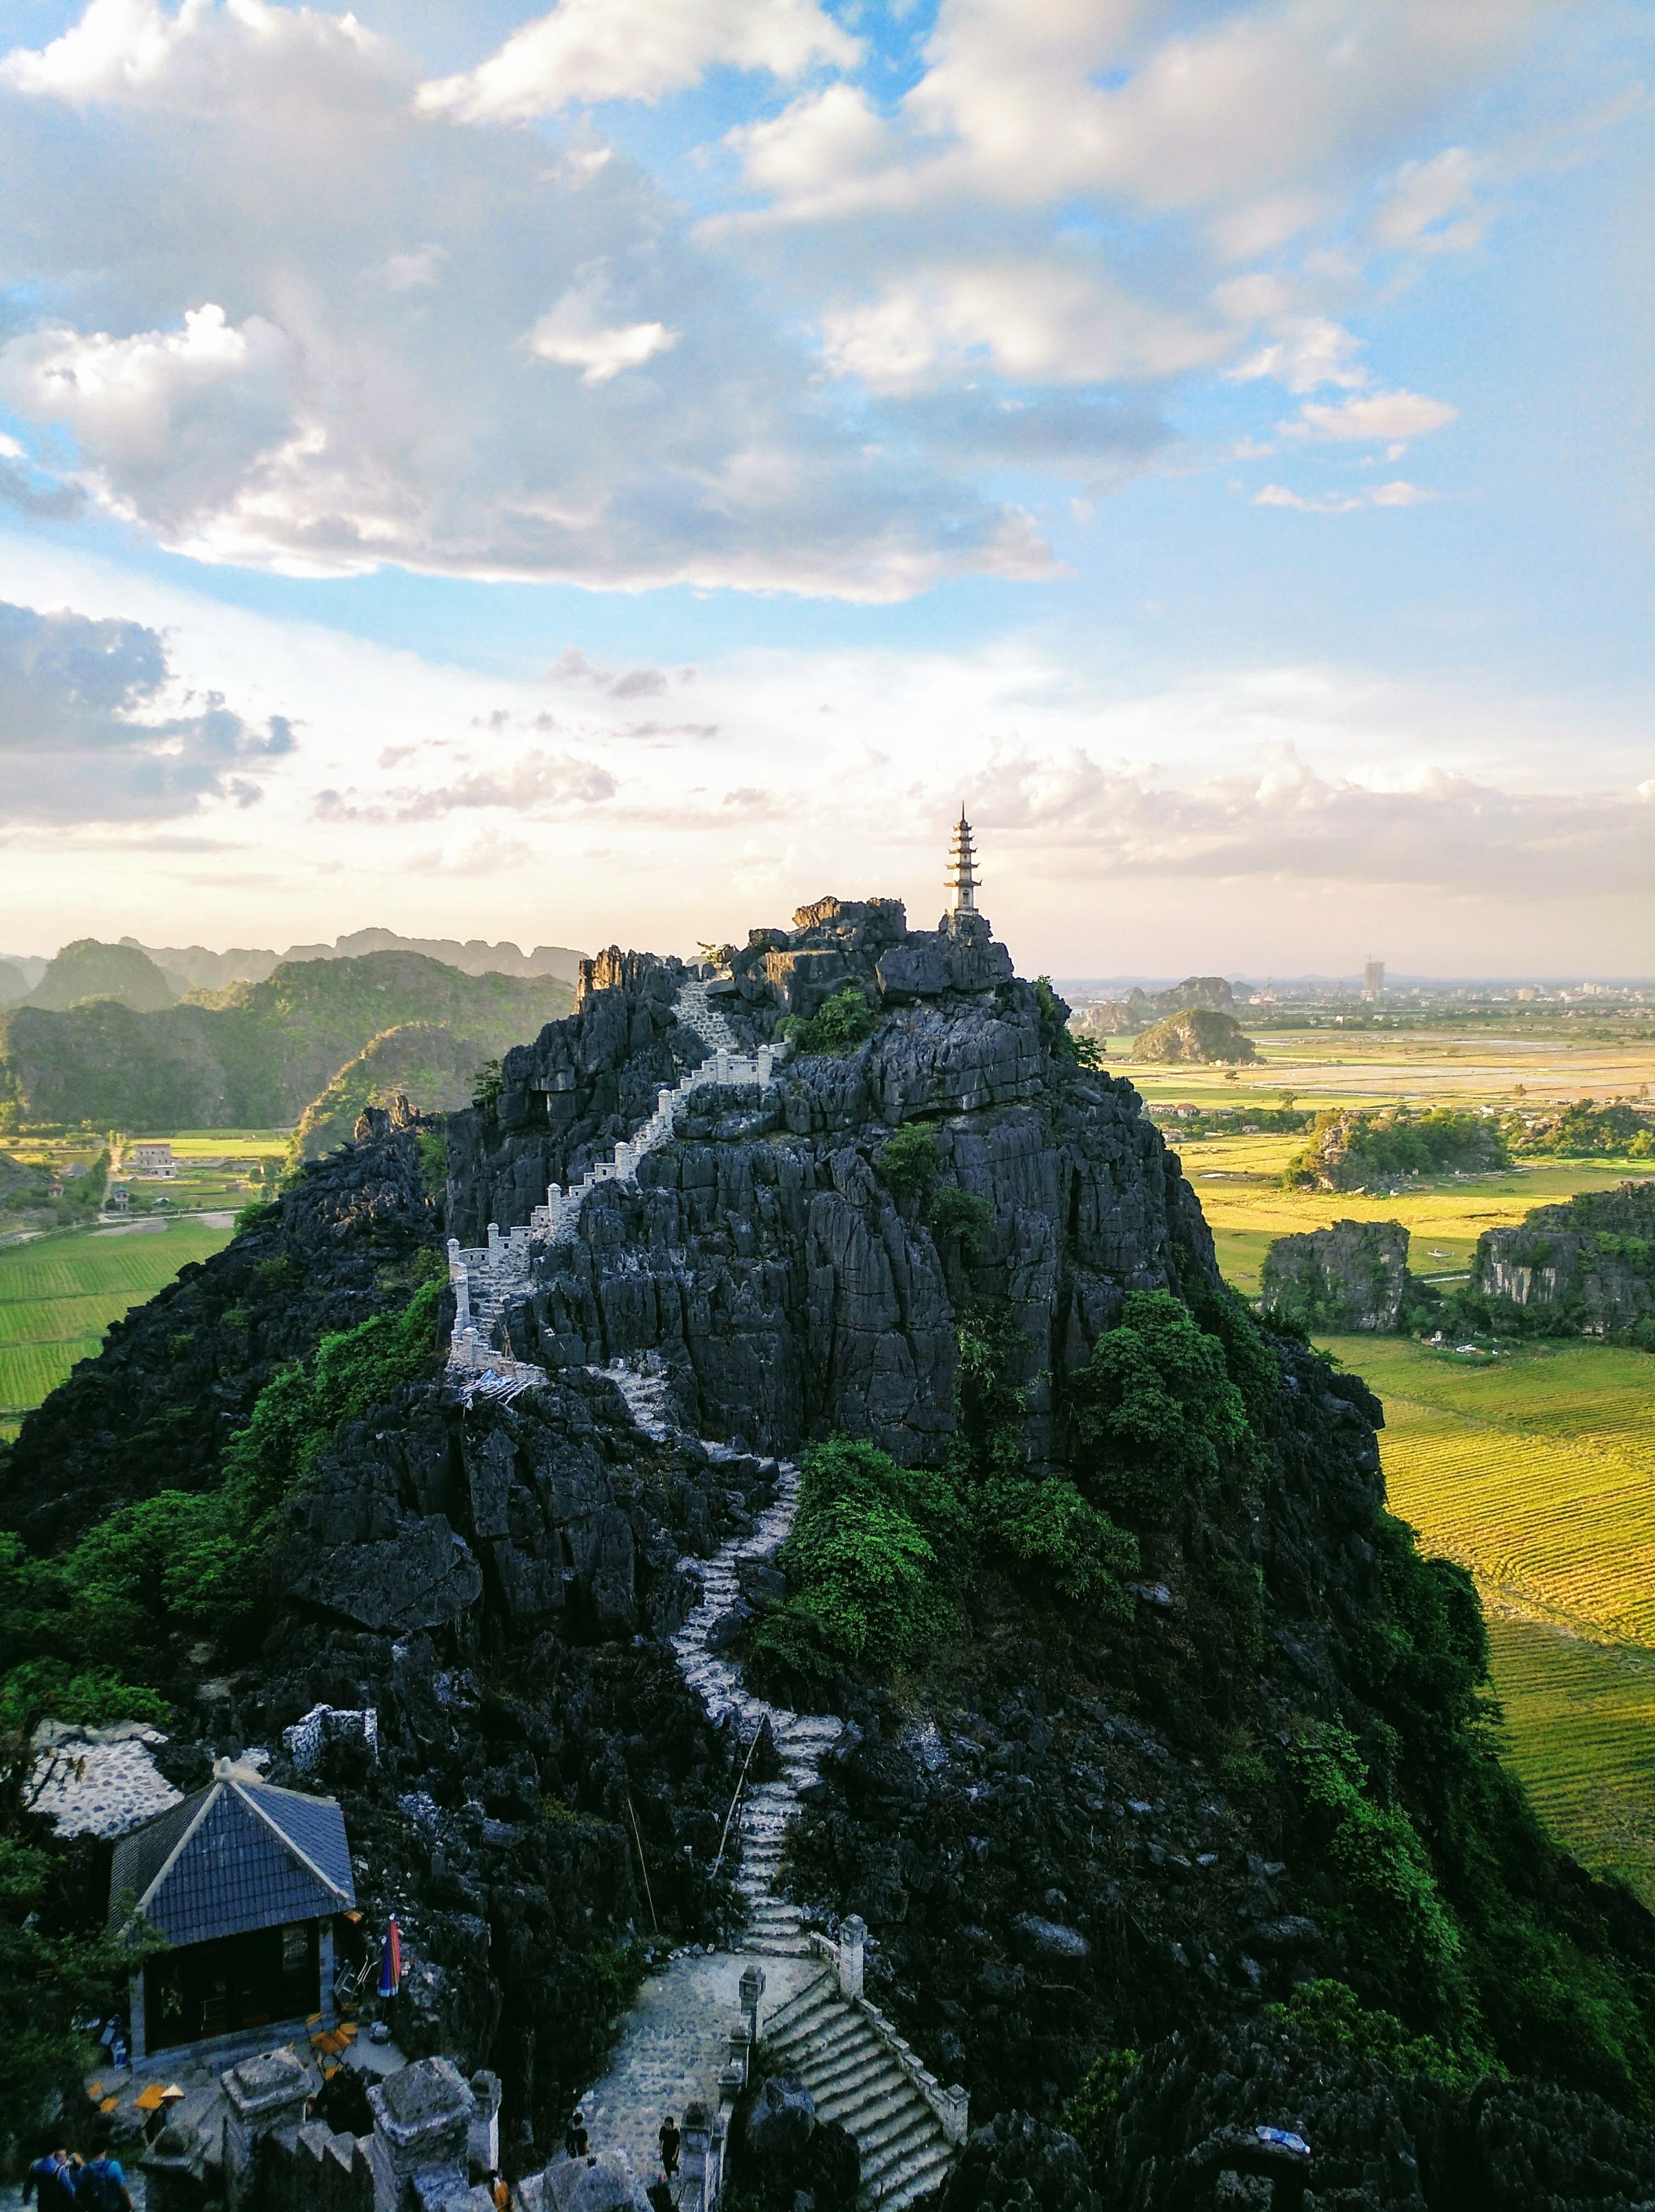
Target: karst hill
1161 1772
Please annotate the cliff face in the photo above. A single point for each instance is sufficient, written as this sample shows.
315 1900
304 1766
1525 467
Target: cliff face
786 1287
1350 1275
1591 1261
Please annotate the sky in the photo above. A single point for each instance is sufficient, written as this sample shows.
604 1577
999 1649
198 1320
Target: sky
618 473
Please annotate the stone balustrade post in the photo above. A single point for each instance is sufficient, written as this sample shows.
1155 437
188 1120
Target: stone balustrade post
454 1252
766 1062
853 1937
956 2116
493 1241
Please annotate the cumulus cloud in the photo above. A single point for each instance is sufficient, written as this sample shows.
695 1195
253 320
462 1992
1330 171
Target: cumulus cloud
281 312
575 333
1303 352
86 736
587 50
1379 415
1051 321
1025 106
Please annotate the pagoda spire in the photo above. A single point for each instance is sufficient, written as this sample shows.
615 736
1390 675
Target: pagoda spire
962 879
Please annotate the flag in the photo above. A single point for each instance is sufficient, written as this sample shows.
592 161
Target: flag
391 1959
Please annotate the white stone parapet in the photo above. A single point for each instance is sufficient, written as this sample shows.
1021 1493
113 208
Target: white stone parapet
484 1276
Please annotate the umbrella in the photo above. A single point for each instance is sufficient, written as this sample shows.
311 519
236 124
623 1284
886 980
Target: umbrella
391 1959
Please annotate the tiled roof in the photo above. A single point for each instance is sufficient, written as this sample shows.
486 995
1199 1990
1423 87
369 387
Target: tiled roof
236 1856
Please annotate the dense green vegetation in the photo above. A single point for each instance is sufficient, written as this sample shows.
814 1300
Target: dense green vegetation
433 1065
86 969
1156 1412
190 1559
254 1054
1584 1130
1350 1150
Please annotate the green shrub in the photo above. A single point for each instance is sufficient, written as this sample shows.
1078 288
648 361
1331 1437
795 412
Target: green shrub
432 1148
838 1027
1050 1531
1330 2012
257 1215
486 1086
962 1215
1089 2115
193 1559
1391 1907
873 1557
908 1161
1155 1410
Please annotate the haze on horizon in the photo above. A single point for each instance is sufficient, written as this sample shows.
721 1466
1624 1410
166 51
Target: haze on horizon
626 470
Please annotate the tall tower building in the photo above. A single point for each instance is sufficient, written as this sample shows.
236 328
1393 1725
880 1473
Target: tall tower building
962 879
1373 978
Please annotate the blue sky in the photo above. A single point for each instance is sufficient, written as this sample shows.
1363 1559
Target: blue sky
622 470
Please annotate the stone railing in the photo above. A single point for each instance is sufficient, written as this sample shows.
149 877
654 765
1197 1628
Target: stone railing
845 1955
483 1276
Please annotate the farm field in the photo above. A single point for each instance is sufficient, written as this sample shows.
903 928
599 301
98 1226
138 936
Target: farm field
1443 1066
1536 1471
58 1294
1237 1179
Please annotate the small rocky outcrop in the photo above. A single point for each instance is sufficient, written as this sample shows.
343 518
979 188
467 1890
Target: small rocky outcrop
1198 1036
1349 1276
1589 1262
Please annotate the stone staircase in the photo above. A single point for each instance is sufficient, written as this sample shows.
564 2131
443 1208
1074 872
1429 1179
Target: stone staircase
830 2042
485 1277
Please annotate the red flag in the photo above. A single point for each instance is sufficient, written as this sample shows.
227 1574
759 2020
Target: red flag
391 1959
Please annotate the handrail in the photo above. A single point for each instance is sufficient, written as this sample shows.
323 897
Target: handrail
741 1784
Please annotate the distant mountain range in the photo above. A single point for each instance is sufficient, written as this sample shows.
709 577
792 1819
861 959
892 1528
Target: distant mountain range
190 967
255 1055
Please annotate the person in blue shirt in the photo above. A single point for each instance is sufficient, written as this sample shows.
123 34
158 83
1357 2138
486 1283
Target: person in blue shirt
100 2186
50 2180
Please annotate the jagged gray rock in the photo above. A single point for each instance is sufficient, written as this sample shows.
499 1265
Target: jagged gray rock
1350 1275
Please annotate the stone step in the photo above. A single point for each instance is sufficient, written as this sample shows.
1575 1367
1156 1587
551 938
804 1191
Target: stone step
851 2072
890 2153
893 2119
828 2036
916 2176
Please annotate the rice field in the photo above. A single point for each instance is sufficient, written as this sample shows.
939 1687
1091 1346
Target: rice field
1536 1471
1238 1182
58 1295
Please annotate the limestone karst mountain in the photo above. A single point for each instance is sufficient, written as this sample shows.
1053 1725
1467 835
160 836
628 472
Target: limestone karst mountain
1157 1771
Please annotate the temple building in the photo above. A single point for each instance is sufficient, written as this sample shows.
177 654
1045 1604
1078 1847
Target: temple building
243 1881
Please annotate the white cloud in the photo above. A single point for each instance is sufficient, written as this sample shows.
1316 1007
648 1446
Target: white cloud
573 333
1381 415
1303 352
171 420
1431 206
1246 116
198 195
587 50
1042 321
1391 495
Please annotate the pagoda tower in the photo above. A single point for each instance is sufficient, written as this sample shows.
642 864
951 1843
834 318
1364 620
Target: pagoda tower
962 879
